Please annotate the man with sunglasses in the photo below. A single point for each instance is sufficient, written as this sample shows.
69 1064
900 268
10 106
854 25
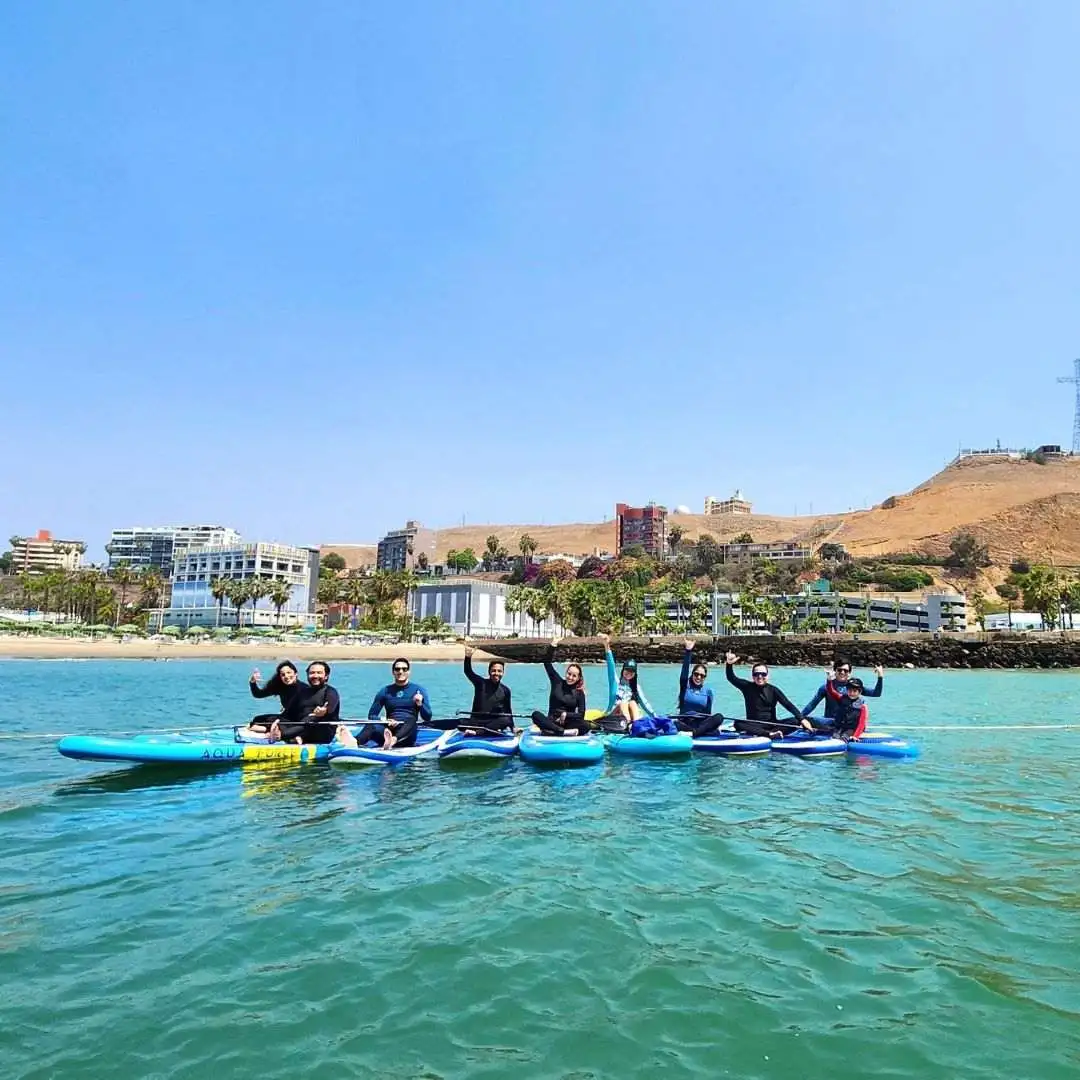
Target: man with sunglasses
834 707
760 698
406 703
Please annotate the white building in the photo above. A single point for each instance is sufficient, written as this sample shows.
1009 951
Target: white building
193 603
476 608
154 547
42 554
1019 620
735 505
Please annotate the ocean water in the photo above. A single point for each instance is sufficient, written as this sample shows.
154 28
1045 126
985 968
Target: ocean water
768 918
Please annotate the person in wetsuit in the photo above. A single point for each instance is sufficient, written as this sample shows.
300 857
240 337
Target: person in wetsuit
853 713
492 709
284 684
695 698
627 704
314 713
760 698
833 708
405 703
566 701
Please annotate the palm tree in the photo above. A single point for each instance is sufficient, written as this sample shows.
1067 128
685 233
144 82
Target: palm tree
527 546
354 594
219 590
279 597
536 607
675 534
124 577
516 598
491 550
237 592
258 589
151 587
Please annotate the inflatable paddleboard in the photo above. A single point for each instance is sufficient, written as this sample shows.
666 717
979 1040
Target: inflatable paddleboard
801 744
218 747
882 744
733 744
428 740
678 745
555 750
463 747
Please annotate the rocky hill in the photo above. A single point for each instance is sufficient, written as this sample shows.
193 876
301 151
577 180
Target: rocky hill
1019 508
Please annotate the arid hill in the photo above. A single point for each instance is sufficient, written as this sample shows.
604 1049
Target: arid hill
1019 508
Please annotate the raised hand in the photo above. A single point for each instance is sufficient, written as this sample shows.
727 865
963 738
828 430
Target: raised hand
555 641
469 650
605 639
730 658
418 699
256 676
879 671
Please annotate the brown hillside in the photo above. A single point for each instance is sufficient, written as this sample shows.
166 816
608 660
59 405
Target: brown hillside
1018 508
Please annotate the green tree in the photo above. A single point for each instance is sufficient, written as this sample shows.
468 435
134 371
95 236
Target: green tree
279 597
491 551
355 594
814 624
151 589
675 534
516 599
124 577
527 546
537 608
6 561
1041 591
220 590
743 538
556 569
237 592
966 553
332 561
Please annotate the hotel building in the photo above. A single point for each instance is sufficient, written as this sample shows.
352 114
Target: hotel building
193 603
154 547
641 525
400 548
735 505
42 554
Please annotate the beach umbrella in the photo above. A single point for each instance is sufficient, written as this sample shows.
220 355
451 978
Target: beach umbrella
171 631
196 631
128 628
99 628
222 631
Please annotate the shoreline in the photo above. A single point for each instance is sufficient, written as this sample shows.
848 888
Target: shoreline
18 648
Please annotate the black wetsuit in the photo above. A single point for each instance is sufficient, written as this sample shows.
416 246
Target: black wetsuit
761 701
273 688
563 699
491 703
297 722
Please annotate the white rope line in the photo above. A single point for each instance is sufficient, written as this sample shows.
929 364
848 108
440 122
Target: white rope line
977 727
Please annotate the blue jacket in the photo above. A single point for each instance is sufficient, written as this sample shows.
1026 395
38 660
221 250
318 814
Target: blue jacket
693 701
834 709
623 691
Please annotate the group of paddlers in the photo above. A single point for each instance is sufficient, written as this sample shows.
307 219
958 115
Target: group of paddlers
311 711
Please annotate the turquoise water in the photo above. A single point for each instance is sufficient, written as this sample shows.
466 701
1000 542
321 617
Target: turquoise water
758 918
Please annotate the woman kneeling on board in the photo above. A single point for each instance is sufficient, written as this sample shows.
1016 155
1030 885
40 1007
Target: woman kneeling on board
491 705
695 698
406 703
566 702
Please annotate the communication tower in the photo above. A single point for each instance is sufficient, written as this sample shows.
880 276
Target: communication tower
1075 378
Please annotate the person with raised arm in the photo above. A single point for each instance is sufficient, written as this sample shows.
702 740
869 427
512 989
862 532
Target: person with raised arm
284 684
833 708
313 715
566 700
405 703
853 713
760 699
627 704
492 709
695 698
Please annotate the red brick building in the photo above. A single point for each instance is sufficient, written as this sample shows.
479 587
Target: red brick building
644 525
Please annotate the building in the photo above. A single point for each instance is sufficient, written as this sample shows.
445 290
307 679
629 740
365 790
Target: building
477 608
1019 620
401 549
154 547
735 505
641 526
42 554
194 571
778 551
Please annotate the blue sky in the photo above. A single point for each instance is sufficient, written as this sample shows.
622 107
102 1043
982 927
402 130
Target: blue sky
310 269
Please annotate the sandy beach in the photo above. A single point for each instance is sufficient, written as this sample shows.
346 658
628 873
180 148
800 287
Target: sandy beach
44 648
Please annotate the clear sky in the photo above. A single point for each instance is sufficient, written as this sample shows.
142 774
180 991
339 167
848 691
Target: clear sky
309 269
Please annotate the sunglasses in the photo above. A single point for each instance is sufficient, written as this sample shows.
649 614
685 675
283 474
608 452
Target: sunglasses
843 671
699 675
761 674
398 670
